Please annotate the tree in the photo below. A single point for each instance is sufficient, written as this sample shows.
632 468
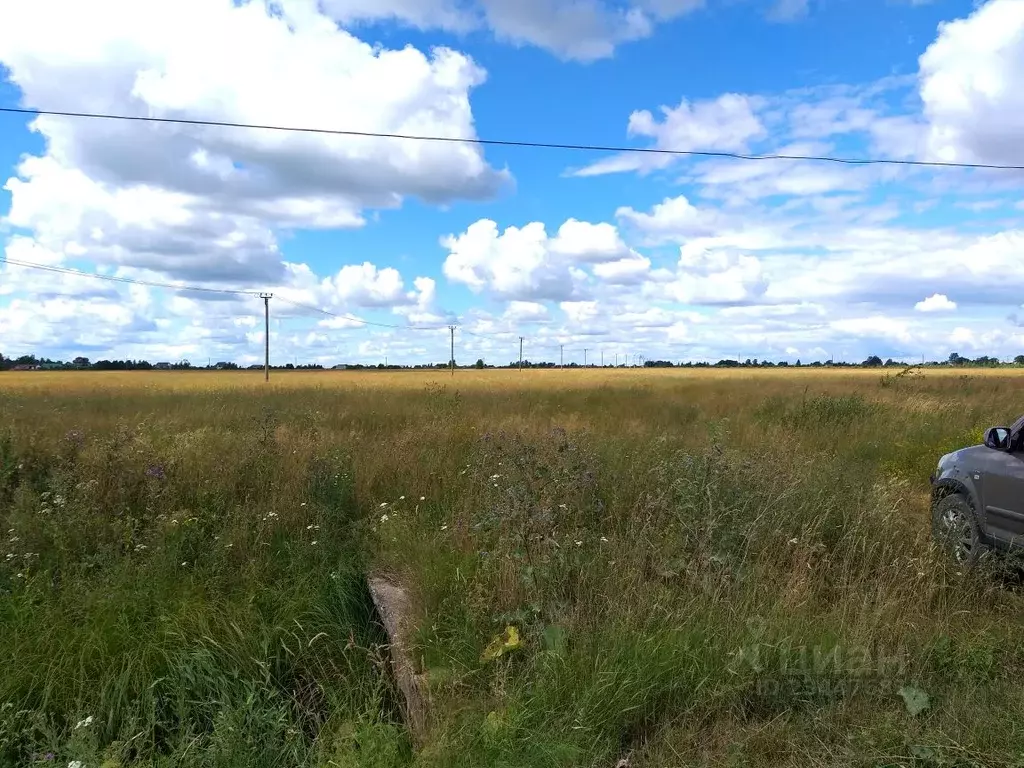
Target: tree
1019 360
874 361
479 363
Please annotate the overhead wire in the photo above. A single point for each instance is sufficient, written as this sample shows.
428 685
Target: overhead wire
508 142
120 279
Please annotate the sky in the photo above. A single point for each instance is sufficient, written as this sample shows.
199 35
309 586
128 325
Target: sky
373 246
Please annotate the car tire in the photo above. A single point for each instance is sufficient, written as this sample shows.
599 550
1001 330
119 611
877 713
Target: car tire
955 529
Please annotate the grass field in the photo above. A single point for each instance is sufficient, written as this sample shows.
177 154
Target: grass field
704 568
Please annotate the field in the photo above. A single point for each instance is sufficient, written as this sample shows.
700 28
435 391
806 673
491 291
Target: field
704 568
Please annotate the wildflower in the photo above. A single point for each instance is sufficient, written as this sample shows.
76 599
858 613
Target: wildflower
579 543
309 527
302 504
792 541
495 477
561 506
313 542
58 500
423 498
155 471
444 527
84 723
384 518
184 563
76 764
401 498
383 504
604 539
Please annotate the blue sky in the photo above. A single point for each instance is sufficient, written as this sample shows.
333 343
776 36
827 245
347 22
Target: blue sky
667 257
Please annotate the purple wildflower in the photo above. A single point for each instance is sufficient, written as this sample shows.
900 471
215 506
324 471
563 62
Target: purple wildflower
156 471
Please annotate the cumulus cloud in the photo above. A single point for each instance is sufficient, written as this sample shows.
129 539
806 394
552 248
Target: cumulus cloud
727 123
581 30
972 86
205 202
525 263
937 302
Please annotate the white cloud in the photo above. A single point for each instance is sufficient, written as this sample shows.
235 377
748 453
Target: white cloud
205 202
972 86
583 30
726 123
671 220
937 302
525 263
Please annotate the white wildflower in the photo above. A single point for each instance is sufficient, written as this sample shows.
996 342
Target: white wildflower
793 541
313 542
444 527
604 539
384 518
401 498
423 498
58 500
84 723
383 504
76 764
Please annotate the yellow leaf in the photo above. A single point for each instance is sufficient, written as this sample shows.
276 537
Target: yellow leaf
500 644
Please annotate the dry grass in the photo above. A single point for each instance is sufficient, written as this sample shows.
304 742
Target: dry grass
638 527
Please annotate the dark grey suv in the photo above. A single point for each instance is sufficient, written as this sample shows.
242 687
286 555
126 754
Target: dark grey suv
978 496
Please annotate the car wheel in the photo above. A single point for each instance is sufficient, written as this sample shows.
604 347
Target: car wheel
956 530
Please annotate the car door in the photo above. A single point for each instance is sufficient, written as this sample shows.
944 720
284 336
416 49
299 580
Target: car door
1002 491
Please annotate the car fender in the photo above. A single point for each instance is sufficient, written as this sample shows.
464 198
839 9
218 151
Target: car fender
957 481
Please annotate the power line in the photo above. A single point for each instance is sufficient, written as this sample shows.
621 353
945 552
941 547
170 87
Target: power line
116 279
508 142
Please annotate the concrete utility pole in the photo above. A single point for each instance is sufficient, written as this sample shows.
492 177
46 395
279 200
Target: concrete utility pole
452 329
520 353
602 358
584 357
561 355
266 334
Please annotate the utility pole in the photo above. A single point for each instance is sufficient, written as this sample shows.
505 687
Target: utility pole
584 357
266 334
561 355
520 353
452 329
602 358
616 359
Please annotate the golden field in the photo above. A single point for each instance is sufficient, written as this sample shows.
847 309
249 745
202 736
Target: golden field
704 567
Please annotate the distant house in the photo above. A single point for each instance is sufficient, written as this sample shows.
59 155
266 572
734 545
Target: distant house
25 367
163 366
255 367
339 367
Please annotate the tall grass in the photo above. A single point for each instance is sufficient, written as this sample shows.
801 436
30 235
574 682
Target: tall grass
703 568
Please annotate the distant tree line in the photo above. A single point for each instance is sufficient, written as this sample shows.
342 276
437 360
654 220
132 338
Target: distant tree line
31 362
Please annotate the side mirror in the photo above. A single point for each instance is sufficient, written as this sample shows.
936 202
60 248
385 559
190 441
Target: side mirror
997 438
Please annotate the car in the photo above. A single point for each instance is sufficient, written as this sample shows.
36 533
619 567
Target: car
977 497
